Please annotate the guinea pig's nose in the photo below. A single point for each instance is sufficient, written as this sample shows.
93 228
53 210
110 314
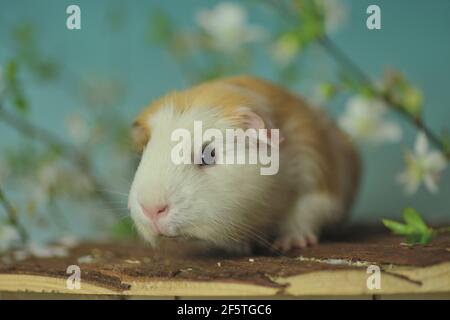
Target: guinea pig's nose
155 212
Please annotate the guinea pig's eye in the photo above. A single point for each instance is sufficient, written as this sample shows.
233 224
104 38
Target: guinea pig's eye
208 155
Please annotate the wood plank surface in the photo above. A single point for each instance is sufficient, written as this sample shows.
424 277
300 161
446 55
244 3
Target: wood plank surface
336 267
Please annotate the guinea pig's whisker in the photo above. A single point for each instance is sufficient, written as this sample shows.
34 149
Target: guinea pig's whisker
116 210
126 180
235 230
231 230
112 192
116 202
184 235
123 217
256 236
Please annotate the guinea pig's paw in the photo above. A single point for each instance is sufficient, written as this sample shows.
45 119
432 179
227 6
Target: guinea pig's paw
291 241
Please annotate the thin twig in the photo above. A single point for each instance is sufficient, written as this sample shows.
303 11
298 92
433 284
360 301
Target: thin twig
12 216
32 131
347 63
344 60
70 153
418 122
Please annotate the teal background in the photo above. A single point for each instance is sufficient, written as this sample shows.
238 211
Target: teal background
414 39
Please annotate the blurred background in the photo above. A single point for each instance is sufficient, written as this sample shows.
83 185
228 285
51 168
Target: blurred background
68 97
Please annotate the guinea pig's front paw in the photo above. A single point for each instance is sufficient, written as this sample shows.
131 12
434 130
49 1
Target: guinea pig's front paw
291 241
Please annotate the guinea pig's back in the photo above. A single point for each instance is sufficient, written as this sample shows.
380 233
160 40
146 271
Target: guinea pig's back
310 129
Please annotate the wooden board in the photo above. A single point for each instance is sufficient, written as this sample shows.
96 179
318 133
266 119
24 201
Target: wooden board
336 267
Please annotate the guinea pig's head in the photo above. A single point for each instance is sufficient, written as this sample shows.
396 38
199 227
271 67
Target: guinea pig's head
202 199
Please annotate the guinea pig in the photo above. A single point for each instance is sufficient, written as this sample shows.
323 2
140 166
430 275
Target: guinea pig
233 206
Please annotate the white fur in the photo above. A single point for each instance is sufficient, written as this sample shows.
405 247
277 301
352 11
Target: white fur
230 206
219 204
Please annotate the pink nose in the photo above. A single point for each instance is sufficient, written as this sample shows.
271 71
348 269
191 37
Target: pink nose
155 212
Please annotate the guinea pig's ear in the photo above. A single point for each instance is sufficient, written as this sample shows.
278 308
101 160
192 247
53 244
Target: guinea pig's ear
253 120
140 134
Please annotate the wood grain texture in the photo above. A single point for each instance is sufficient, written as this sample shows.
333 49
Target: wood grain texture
337 267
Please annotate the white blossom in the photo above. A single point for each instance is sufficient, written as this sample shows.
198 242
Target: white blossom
78 128
80 182
9 237
320 94
46 251
38 194
364 120
422 165
86 259
20 255
335 14
48 176
285 49
227 26
40 250
68 241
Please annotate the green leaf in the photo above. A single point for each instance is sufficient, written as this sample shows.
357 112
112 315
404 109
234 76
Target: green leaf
427 237
367 91
160 28
412 100
46 70
413 219
24 35
446 142
13 86
289 75
328 90
397 227
414 238
11 73
415 229
124 229
20 103
420 238
347 81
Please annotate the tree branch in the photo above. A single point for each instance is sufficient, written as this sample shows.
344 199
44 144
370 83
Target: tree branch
344 60
358 73
12 215
70 153
347 63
